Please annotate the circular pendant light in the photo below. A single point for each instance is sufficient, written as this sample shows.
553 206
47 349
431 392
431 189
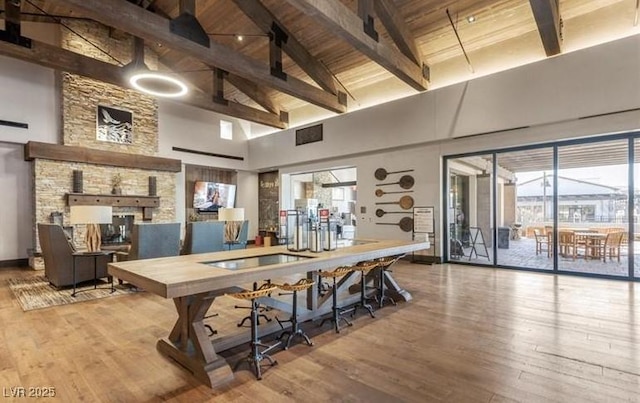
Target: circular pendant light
158 84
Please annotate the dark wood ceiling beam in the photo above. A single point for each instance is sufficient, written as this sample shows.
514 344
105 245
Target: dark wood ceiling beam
265 20
255 92
365 12
218 86
187 6
397 28
340 20
65 60
547 16
129 18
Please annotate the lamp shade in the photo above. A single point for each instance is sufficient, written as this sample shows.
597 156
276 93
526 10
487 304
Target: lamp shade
91 214
231 214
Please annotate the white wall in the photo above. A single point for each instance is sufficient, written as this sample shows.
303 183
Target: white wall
592 81
247 197
192 128
15 199
28 96
197 129
548 98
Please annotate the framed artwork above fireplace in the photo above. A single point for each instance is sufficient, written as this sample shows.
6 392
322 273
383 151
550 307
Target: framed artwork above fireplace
114 125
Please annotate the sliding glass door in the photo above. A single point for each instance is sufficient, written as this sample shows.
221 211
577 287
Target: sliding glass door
470 209
592 207
570 206
525 208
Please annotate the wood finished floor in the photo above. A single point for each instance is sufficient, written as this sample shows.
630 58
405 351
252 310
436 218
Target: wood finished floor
470 334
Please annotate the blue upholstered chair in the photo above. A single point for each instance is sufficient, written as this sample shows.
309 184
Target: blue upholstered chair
203 237
154 240
242 237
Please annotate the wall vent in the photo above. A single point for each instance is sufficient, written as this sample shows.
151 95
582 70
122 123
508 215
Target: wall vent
308 135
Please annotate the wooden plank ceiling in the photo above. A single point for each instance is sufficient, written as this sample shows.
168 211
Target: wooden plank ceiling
325 53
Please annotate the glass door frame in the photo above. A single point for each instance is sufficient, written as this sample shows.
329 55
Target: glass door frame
631 138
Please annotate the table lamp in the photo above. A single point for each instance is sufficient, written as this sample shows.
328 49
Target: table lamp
91 216
233 218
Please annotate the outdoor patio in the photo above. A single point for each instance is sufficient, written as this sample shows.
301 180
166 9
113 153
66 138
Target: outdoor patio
522 253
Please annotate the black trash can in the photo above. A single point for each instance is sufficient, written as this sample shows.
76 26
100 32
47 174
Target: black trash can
503 237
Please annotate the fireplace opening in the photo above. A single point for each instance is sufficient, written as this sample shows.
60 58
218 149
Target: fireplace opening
118 232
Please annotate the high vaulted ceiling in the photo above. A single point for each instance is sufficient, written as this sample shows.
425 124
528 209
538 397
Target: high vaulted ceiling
300 60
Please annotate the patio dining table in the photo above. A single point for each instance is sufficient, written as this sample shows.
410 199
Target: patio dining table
593 243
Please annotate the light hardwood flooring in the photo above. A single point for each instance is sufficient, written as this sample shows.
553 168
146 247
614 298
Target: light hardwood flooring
470 334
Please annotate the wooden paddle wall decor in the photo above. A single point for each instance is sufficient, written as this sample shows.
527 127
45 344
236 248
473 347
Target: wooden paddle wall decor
404 183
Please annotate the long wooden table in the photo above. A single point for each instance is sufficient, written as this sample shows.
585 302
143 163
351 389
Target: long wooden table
194 285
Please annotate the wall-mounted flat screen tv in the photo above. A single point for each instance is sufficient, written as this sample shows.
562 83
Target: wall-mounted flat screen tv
210 196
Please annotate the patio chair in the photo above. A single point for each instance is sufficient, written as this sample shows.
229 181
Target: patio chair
612 245
543 241
567 244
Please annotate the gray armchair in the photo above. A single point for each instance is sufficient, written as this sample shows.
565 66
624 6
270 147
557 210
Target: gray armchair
154 240
203 237
58 257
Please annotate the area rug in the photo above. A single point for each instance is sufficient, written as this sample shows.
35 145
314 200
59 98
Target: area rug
35 292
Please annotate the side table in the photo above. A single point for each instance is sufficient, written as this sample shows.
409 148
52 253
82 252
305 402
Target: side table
95 255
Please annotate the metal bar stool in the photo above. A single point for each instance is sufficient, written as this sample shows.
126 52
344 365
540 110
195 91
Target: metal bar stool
364 268
383 265
256 355
301 285
336 311
261 309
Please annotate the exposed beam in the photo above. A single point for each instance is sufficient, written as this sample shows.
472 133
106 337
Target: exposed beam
265 20
253 91
186 6
12 18
397 28
65 60
547 15
139 22
365 12
218 86
339 19
276 40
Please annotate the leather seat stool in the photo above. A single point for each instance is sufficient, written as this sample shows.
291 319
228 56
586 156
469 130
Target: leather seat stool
301 285
257 355
383 265
336 311
364 268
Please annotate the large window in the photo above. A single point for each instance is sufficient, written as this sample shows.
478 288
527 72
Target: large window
561 206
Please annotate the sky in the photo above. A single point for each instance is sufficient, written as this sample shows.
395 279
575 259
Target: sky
610 175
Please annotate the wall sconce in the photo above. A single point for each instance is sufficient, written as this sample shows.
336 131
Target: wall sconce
91 216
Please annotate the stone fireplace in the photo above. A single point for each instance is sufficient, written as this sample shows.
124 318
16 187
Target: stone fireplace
119 231
102 162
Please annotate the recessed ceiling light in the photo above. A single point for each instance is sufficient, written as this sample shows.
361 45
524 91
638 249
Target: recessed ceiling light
471 19
239 38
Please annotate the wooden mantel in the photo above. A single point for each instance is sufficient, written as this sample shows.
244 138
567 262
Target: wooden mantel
84 199
147 203
57 152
